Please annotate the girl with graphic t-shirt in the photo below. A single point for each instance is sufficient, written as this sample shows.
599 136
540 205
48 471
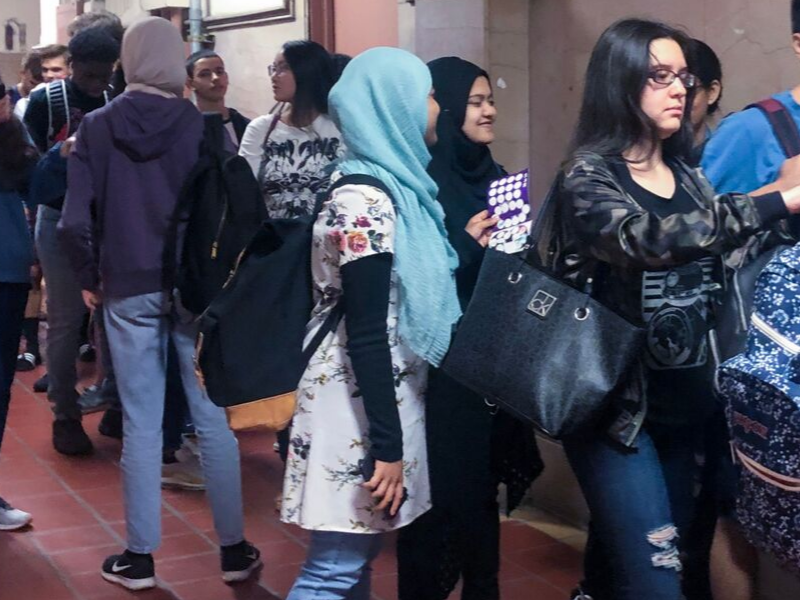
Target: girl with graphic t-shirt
290 152
648 228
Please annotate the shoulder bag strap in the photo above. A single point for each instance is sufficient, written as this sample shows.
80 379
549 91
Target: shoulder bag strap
263 166
542 233
783 124
332 320
355 179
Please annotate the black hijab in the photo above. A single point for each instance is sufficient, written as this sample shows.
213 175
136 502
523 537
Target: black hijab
461 168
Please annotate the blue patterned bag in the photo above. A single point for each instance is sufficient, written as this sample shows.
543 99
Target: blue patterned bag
761 389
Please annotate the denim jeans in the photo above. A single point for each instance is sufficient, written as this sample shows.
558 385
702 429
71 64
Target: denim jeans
138 329
65 313
108 389
640 501
338 567
13 297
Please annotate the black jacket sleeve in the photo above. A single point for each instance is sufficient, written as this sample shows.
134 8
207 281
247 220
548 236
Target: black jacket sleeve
365 286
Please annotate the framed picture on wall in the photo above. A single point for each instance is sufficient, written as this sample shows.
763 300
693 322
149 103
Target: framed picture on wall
230 14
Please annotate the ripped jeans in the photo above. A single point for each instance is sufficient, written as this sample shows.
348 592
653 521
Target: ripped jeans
640 500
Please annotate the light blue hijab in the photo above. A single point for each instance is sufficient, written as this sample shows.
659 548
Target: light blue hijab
380 105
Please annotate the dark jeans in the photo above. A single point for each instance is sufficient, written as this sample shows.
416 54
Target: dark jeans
13 297
176 408
640 501
65 316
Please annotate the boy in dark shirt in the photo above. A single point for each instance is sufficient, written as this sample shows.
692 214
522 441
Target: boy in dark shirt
53 115
207 78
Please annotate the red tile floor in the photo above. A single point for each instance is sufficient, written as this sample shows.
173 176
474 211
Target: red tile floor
78 521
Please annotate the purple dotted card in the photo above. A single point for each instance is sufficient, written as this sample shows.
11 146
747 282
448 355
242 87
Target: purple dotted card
508 200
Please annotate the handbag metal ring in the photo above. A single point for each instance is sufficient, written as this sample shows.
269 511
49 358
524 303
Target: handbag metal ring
581 314
493 408
515 278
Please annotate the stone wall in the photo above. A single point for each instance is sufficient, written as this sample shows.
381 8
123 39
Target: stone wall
25 11
751 38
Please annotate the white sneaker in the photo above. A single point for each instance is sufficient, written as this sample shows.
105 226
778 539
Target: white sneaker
185 474
12 518
190 443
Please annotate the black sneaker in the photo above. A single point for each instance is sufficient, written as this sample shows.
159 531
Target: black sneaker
28 361
131 571
87 353
111 424
40 385
70 439
239 561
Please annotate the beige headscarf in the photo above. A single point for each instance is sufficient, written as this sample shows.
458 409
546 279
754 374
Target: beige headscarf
153 58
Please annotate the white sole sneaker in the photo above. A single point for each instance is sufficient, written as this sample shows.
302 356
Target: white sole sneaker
237 576
17 519
130 584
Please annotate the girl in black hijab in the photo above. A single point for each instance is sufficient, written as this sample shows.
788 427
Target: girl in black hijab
471 447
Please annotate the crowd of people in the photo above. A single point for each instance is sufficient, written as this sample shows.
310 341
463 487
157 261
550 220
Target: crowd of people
96 142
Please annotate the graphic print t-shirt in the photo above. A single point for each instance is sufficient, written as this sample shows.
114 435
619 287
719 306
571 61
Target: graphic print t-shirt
292 164
676 313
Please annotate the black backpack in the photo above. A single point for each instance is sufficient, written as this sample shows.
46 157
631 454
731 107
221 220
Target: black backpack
733 315
225 209
250 342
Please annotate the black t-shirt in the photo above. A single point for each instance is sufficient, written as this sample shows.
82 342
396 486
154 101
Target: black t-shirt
37 116
676 310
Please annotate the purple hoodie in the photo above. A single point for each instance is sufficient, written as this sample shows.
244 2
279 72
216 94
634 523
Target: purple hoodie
124 177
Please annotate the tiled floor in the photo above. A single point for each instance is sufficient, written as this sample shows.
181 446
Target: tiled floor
78 520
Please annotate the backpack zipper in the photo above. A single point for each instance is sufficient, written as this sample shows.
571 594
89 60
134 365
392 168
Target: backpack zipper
220 227
773 334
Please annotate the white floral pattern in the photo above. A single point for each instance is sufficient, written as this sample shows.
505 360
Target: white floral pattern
322 486
761 389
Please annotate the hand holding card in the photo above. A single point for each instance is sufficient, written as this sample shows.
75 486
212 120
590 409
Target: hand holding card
508 201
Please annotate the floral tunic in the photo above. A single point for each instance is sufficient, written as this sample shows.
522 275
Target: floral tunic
323 484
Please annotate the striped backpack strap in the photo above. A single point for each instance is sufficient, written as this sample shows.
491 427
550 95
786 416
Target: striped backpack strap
57 109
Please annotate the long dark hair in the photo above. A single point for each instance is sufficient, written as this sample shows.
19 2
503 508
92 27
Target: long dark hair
314 75
611 118
704 63
17 154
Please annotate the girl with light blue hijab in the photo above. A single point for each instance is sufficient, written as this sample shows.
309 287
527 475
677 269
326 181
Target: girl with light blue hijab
357 464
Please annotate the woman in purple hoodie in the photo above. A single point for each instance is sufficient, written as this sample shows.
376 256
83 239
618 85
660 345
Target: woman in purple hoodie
130 160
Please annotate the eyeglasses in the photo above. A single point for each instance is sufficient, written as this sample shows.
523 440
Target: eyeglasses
663 78
278 69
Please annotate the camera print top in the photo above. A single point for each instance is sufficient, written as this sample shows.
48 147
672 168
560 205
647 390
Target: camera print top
292 164
323 485
676 310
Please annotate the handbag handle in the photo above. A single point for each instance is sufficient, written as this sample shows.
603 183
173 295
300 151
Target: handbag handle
542 245
540 240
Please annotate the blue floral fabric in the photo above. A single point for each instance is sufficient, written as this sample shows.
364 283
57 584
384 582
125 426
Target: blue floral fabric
761 390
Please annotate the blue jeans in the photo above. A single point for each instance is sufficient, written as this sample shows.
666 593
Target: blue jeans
138 329
338 567
640 501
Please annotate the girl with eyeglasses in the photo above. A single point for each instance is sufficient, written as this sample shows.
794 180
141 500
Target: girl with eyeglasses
649 230
290 151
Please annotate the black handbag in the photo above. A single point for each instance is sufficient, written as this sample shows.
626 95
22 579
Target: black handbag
537 346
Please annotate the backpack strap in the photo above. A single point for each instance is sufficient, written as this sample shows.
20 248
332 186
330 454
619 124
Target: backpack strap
783 124
355 179
57 108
